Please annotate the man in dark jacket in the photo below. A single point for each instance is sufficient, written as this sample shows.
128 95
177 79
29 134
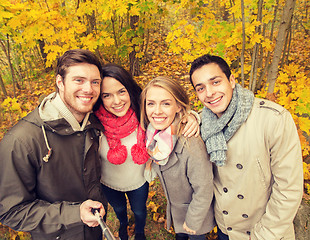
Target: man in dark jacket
49 164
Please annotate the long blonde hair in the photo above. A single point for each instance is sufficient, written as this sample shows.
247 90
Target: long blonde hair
174 88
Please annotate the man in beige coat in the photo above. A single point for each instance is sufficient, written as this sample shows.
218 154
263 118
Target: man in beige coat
254 145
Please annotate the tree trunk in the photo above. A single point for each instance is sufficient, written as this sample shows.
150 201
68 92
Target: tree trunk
253 73
113 21
6 50
44 55
91 22
284 24
232 3
146 57
11 66
133 60
243 43
307 32
3 87
260 61
267 66
287 45
27 70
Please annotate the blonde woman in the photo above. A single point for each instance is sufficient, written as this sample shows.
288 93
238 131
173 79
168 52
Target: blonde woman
182 165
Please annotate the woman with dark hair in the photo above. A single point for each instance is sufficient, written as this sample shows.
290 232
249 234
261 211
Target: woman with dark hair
122 147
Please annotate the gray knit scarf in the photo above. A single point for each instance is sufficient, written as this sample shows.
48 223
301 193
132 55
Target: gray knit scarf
216 132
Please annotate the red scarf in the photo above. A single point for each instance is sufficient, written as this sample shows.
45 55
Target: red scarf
116 128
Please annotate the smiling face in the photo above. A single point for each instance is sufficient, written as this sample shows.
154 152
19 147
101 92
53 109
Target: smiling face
160 107
115 97
80 89
213 88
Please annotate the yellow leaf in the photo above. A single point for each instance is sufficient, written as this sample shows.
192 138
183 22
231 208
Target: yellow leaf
266 43
5 14
306 168
152 194
155 216
177 33
15 106
6 102
184 43
122 10
153 206
135 11
304 124
256 38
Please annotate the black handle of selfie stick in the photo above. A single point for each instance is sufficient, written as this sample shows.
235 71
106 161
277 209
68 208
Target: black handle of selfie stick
104 227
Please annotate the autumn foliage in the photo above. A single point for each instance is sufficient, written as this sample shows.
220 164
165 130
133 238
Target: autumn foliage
152 38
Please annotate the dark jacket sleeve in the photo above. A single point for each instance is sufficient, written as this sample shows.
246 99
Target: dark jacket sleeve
20 207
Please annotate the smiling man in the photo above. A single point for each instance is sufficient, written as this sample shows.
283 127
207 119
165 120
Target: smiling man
255 148
49 164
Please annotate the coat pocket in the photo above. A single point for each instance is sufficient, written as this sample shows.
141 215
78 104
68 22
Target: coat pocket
261 172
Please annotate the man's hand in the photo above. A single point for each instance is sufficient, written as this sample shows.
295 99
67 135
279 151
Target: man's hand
86 214
192 127
187 229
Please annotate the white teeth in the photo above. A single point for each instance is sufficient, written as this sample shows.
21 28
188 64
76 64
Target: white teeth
215 101
85 98
118 107
159 119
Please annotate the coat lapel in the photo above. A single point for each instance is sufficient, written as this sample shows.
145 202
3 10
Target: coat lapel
173 158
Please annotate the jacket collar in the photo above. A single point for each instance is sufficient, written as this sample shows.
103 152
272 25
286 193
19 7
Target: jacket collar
173 158
48 116
53 108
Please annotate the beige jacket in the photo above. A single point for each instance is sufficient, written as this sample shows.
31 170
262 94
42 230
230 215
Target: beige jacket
260 188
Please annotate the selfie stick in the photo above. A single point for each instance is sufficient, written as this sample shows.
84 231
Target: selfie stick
105 229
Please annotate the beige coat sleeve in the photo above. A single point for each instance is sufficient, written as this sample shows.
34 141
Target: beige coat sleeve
287 186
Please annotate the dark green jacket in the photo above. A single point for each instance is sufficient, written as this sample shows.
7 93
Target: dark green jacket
44 197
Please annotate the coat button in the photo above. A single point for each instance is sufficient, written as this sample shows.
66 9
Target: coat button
78 134
225 212
240 196
245 216
248 232
229 229
261 102
85 169
58 237
225 190
239 166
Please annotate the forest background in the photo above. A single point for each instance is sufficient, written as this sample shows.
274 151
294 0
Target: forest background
266 43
